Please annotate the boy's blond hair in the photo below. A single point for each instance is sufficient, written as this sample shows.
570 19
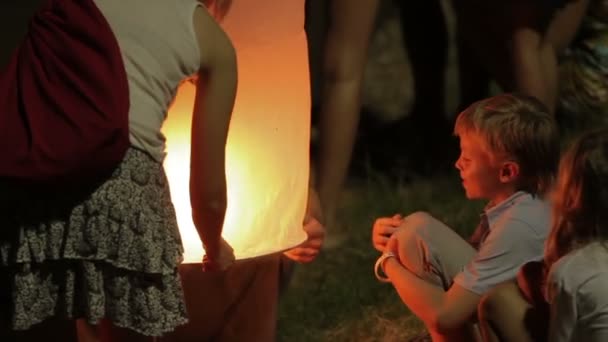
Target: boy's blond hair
519 127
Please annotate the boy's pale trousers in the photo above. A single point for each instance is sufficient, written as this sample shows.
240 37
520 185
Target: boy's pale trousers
431 250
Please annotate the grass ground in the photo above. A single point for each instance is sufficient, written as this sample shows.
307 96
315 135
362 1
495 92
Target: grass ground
337 297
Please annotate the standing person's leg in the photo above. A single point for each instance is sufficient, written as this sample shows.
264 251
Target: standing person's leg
105 331
538 38
425 35
434 252
87 332
504 38
239 304
426 38
559 34
345 54
316 31
254 316
473 77
519 41
59 329
482 26
527 50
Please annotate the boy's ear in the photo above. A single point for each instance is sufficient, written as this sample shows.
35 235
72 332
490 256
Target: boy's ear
509 172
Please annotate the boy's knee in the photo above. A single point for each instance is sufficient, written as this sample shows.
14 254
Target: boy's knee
418 218
417 222
415 226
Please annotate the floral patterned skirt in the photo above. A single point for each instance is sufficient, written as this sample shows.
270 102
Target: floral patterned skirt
111 252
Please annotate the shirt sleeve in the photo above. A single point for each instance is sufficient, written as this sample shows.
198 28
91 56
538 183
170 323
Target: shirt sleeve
500 256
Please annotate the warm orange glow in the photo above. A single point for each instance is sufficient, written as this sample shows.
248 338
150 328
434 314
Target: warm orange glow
268 143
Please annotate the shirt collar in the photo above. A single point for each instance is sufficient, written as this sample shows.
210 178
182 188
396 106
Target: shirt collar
493 212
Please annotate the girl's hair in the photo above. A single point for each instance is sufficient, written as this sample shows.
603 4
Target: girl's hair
580 208
521 128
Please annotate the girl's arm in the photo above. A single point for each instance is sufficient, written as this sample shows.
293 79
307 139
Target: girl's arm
213 106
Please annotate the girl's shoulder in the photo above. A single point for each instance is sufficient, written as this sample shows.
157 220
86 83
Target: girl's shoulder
580 265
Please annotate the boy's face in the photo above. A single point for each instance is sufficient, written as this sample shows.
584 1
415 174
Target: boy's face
480 175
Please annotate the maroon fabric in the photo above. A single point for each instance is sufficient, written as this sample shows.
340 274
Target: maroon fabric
64 98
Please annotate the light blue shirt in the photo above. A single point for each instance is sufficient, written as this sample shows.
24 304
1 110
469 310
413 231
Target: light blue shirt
518 228
578 294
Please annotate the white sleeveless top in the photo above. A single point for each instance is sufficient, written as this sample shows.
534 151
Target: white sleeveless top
159 50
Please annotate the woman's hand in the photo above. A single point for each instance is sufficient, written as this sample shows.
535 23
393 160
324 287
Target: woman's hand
308 250
221 259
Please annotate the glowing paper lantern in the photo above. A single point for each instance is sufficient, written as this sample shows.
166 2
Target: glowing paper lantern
267 166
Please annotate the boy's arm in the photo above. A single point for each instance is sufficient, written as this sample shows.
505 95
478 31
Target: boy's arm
441 311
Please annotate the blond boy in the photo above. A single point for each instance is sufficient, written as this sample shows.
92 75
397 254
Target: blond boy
509 154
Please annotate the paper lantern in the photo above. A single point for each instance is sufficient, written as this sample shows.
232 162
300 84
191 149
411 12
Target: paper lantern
267 162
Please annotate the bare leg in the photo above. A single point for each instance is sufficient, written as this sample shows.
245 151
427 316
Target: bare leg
560 33
528 50
549 66
481 34
537 74
504 315
536 35
243 306
426 39
345 55
473 79
87 332
106 332
58 329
